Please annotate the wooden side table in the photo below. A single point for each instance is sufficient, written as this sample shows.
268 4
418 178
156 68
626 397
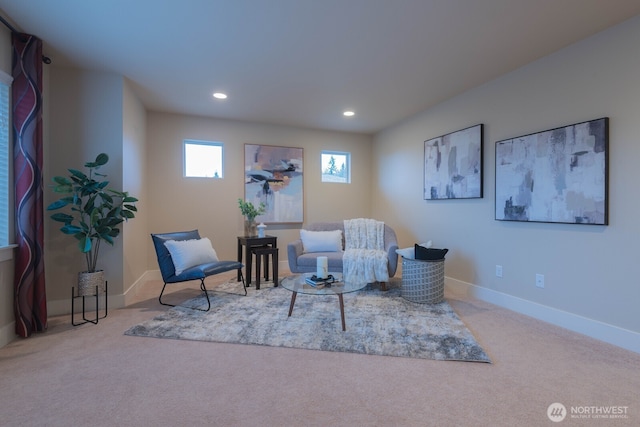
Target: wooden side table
262 253
250 242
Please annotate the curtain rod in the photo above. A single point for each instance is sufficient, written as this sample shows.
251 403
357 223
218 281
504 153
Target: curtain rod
45 59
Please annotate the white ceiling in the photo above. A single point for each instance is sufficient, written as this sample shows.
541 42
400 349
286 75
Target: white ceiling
302 62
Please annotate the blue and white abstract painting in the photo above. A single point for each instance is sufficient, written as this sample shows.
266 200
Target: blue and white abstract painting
273 176
559 175
453 165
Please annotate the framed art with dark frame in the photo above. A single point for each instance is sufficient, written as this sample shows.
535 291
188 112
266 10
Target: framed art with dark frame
274 176
559 175
453 165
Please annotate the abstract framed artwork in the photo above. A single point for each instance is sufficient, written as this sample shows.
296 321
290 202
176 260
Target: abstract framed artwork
453 165
274 176
558 175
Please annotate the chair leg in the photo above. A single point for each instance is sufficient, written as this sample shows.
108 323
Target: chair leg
243 283
202 287
160 297
206 294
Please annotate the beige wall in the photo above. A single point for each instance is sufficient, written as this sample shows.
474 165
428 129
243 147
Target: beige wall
134 232
210 205
590 272
86 118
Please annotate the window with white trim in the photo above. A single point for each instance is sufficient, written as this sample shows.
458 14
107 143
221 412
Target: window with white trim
336 166
5 155
203 159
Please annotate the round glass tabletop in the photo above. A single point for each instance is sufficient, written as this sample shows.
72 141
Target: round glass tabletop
298 283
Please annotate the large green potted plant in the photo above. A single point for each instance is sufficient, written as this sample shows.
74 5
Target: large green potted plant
92 213
250 212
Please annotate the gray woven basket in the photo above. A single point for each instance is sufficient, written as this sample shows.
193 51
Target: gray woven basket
89 283
423 281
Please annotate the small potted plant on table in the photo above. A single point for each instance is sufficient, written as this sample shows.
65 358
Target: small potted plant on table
250 212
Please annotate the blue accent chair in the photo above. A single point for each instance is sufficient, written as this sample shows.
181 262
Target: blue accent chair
198 272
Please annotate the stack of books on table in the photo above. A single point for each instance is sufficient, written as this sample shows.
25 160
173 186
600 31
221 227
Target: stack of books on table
318 282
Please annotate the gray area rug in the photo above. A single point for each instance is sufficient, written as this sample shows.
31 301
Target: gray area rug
379 323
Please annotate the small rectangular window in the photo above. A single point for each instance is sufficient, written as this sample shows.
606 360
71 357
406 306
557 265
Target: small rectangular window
5 156
336 166
203 159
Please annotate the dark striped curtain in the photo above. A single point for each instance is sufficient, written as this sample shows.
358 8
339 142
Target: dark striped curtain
30 303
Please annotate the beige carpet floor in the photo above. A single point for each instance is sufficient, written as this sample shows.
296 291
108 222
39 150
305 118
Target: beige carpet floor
94 375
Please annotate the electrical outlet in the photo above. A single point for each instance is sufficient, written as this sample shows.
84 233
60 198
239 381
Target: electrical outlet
498 270
540 280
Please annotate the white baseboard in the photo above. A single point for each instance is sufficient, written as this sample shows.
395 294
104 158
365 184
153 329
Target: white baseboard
7 334
611 334
63 306
130 293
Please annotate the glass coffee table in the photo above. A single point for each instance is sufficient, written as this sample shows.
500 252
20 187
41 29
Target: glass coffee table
297 284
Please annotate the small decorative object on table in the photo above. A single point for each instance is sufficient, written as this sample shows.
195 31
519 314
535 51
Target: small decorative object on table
317 282
322 266
261 228
250 212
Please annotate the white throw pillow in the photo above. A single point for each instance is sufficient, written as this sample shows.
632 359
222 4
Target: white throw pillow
321 241
188 253
408 253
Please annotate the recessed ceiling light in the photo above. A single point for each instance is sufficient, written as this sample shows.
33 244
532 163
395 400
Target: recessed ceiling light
220 95
348 113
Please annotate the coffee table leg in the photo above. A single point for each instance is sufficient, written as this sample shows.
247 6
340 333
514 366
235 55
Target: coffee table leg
293 301
344 327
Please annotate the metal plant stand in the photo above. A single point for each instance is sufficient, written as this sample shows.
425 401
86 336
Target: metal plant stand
84 314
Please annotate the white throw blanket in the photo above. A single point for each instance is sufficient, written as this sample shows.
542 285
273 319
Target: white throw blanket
365 258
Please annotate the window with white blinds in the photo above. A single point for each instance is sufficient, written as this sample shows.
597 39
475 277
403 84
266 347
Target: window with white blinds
5 188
